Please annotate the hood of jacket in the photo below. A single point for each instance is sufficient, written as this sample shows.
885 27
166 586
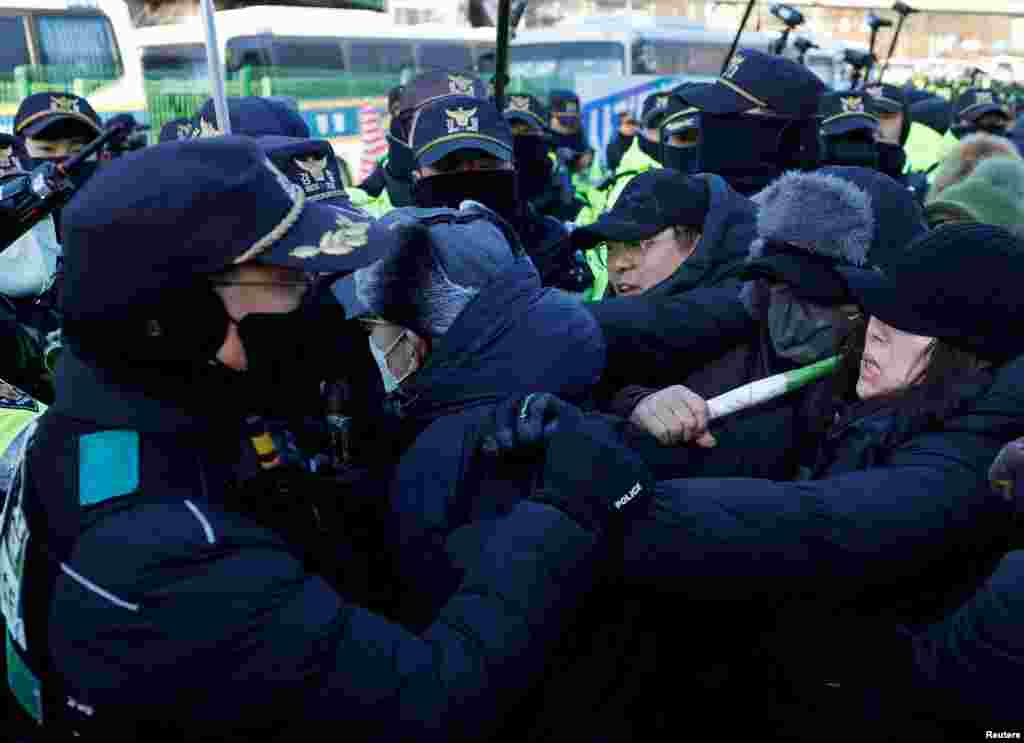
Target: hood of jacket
514 338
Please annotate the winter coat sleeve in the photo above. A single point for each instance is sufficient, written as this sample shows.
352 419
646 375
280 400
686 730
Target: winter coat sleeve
966 667
657 342
375 183
235 636
827 540
926 519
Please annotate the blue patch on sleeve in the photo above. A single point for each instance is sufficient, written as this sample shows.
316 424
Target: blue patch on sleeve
108 465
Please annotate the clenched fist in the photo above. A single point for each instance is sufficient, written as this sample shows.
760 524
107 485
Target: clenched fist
674 415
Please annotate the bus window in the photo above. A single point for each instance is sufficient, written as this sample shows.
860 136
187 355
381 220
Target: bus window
322 56
451 56
82 41
178 61
373 57
13 46
566 60
671 57
707 59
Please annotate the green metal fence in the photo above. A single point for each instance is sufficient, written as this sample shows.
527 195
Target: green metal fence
28 79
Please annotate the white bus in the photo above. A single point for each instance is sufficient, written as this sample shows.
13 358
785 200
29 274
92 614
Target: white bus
614 62
54 42
332 61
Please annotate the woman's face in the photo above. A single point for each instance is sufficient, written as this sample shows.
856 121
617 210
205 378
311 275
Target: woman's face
892 360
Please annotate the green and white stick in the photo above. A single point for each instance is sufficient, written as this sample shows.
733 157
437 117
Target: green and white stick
769 388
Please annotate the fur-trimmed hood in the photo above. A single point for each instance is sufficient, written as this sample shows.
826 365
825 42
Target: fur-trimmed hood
852 215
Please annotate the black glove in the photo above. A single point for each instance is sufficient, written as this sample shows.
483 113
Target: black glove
525 426
1006 475
590 474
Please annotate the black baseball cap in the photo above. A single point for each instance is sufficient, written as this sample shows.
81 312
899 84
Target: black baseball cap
526 108
883 98
755 80
973 104
192 208
652 202
457 123
41 113
846 112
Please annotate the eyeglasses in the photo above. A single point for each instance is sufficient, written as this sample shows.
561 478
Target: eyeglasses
306 283
640 246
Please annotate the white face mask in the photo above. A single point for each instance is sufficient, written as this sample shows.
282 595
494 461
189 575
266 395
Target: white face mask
28 266
391 382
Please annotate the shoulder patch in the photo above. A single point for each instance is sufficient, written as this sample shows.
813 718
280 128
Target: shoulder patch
108 465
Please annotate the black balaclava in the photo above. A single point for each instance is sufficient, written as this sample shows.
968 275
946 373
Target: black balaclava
751 151
495 189
533 165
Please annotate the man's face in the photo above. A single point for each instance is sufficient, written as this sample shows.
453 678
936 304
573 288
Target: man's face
565 123
464 161
890 127
53 148
256 289
628 127
634 268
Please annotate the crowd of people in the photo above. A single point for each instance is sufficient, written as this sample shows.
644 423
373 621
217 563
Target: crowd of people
444 456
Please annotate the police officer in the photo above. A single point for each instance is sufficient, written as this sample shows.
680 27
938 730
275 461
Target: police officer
396 172
757 120
980 111
54 126
153 599
252 116
464 152
547 189
852 135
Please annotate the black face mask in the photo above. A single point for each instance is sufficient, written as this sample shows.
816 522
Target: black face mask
495 189
892 159
851 151
683 159
401 161
649 148
752 151
533 166
289 355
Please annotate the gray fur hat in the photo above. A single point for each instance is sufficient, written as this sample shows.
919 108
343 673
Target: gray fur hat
440 261
808 222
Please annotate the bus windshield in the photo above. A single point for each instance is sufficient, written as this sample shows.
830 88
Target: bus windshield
83 42
567 59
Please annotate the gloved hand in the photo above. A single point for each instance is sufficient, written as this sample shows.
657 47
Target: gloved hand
1006 475
590 474
525 426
